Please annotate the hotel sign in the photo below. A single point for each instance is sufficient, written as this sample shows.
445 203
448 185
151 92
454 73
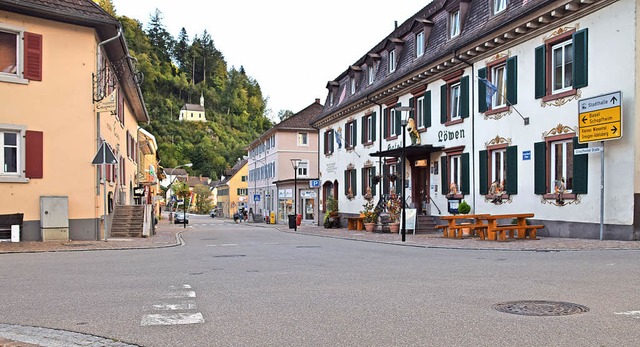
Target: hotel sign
600 118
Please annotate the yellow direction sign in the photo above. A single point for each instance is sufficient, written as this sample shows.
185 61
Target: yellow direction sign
600 118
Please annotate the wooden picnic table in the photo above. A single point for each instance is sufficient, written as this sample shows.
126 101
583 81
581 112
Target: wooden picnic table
495 231
454 226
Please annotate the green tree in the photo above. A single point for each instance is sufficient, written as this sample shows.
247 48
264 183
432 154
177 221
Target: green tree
203 201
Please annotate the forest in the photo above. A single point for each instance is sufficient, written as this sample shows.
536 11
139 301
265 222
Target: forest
180 70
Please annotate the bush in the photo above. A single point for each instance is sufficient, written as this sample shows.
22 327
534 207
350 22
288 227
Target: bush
464 208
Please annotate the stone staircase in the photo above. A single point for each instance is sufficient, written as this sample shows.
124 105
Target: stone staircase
425 224
127 221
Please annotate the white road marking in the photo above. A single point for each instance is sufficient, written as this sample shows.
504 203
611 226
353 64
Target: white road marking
174 307
212 245
229 244
186 294
172 319
184 286
632 314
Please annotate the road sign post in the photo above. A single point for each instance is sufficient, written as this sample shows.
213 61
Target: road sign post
599 119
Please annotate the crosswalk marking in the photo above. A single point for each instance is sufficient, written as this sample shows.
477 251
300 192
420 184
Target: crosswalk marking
171 316
173 307
172 319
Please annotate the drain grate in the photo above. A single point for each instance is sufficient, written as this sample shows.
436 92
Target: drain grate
540 308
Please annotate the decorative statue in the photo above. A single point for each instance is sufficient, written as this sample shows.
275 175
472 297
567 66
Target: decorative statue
453 188
413 132
560 188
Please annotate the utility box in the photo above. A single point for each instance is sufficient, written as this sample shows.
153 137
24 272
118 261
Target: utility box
54 218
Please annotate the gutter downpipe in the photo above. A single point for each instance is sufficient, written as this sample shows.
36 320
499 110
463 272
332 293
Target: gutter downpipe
104 167
380 140
473 129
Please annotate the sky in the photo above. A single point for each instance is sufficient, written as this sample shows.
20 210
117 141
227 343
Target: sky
292 48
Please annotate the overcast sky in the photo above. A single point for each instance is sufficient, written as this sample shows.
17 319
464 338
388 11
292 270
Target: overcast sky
292 48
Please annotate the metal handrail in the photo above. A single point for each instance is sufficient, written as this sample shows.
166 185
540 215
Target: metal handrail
434 204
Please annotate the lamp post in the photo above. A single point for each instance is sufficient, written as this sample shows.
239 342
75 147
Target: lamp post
403 123
295 163
171 183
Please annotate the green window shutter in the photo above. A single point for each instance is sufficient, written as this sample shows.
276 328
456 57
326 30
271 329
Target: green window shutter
354 182
580 59
362 185
386 122
371 176
512 170
354 133
373 126
332 140
482 91
443 175
540 72
427 109
412 114
464 97
363 130
484 172
397 120
580 169
512 80
443 104
347 177
540 167
464 174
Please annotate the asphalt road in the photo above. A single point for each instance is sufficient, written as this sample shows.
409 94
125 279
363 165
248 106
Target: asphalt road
244 285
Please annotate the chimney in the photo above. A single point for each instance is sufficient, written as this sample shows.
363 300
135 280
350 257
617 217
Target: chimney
395 24
317 101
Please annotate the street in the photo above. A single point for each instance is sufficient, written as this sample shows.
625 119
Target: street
248 285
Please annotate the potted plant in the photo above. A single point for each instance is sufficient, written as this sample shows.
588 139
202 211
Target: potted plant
331 216
369 216
464 208
394 204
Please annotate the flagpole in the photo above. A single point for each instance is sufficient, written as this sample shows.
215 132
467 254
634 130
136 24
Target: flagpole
485 81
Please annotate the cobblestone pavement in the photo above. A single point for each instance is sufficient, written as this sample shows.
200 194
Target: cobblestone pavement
26 336
168 235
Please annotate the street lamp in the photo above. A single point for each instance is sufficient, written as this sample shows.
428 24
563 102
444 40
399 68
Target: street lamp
403 123
171 183
295 163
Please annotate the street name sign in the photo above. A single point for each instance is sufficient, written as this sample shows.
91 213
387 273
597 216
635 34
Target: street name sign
600 118
588 150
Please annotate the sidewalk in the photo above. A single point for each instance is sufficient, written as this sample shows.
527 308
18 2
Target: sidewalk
168 235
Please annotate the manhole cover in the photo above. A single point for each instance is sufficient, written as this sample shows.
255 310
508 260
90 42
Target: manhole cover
540 308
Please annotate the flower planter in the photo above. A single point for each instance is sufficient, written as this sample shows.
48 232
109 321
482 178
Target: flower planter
369 227
394 228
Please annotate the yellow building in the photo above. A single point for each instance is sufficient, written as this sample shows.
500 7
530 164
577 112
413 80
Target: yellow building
232 190
68 85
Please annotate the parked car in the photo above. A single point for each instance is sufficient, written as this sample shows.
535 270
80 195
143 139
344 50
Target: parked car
181 218
213 213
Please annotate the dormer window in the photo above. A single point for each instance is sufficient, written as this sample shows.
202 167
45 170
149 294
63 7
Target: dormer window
353 85
371 75
454 24
330 99
392 60
420 44
499 6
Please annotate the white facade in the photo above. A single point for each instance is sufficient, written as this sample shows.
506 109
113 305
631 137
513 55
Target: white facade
486 137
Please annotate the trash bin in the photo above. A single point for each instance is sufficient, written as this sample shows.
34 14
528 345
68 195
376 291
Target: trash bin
272 218
292 221
298 219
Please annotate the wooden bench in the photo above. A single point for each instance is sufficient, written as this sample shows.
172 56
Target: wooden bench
455 230
493 231
7 221
355 223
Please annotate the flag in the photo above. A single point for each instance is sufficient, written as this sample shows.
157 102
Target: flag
342 95
491 89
